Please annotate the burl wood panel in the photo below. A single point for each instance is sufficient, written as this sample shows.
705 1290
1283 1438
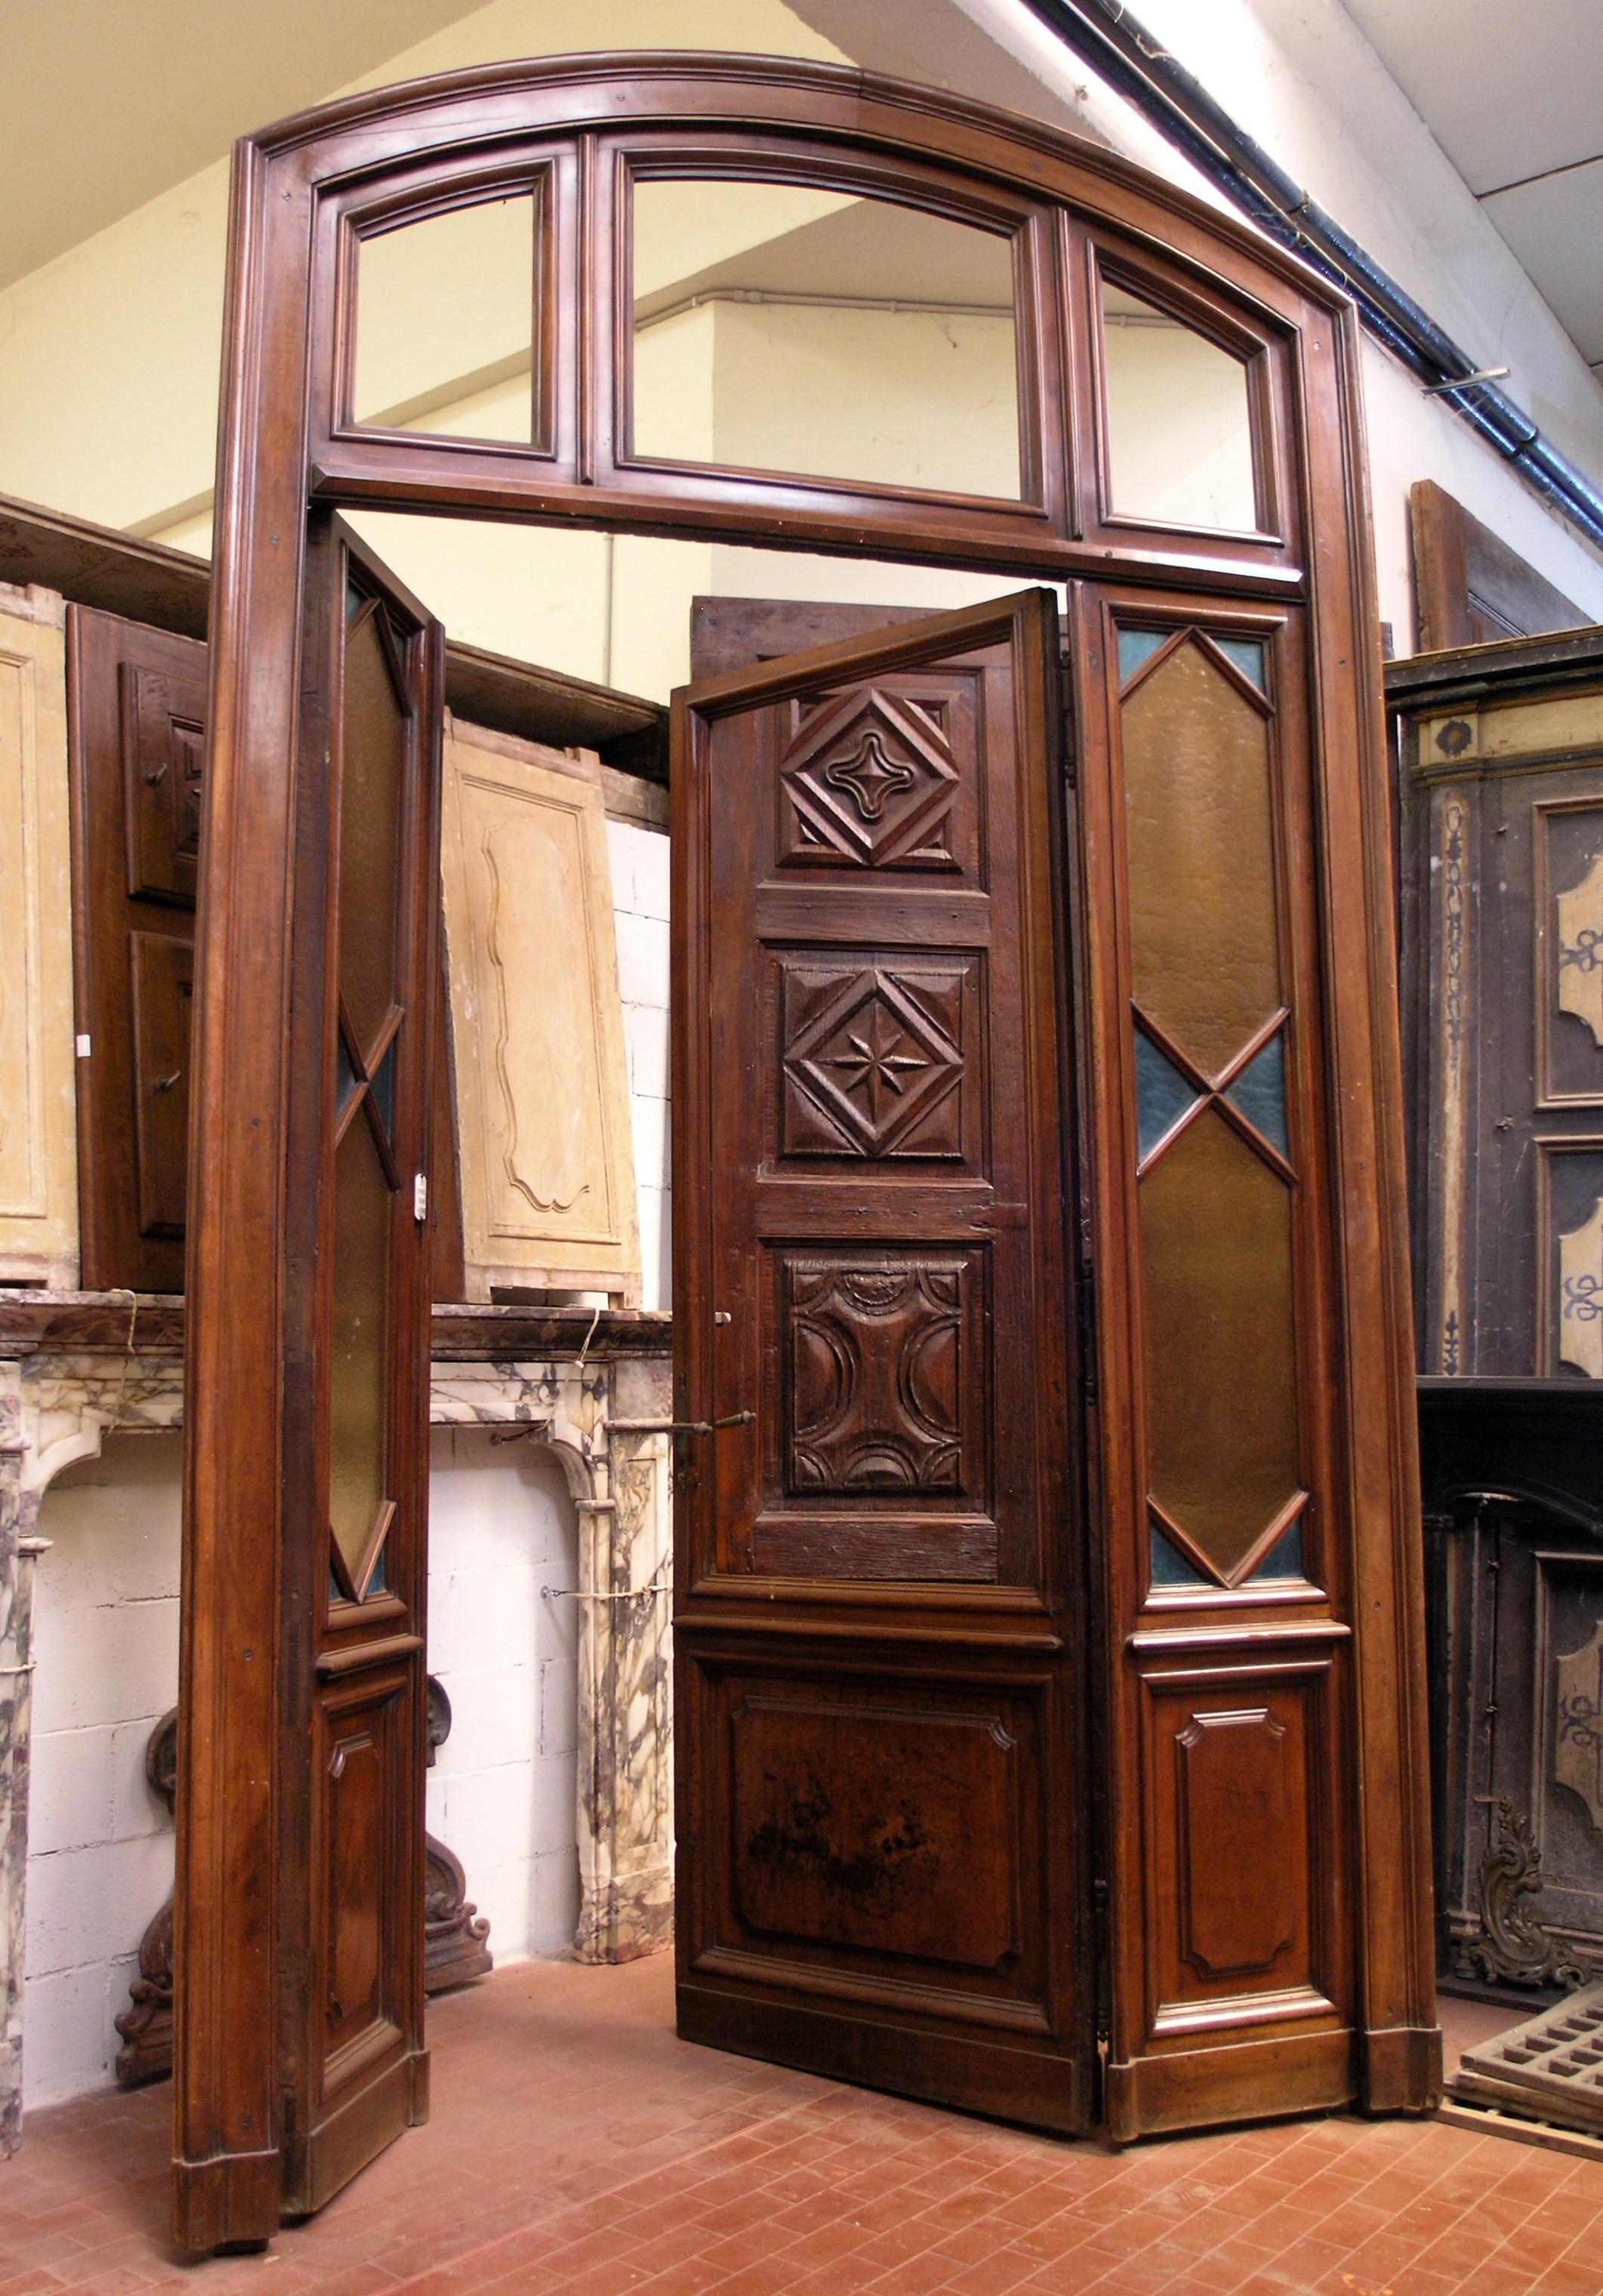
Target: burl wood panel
546 1153
38 1162
891 1830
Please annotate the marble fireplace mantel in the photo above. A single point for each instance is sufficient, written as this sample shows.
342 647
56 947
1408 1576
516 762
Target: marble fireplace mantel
592 1388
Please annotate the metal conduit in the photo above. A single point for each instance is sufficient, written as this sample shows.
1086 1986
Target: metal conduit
1104 35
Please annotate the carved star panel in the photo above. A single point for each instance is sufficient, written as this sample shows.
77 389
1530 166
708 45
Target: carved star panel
883 1377
869 781
872 1060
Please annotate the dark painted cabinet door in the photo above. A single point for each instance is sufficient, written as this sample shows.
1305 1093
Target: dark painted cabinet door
138 720
880 1816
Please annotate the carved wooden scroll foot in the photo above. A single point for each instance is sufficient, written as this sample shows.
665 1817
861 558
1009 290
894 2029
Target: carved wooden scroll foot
455 1930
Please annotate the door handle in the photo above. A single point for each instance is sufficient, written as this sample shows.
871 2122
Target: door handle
680 1426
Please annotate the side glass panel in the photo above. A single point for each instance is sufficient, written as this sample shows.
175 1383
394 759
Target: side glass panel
372 793
1216 1184
786 328
446 324
1179 443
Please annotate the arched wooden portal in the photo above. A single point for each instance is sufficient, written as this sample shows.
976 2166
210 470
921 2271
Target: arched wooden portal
1206 1716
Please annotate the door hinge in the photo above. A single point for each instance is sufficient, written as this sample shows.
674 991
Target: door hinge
83 1047
420 1196
1086 1302
1101 1947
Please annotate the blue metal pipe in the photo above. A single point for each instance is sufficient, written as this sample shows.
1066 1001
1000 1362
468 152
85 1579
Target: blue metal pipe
1121 52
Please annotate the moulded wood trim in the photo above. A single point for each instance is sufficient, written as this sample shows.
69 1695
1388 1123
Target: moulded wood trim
968 2008
1189 2088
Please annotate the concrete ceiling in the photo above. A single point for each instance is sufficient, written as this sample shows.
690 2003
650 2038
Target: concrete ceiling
1512 90
104 105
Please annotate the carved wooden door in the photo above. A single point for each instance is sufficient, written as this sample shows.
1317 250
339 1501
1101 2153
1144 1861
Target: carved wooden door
881 1805
299 2048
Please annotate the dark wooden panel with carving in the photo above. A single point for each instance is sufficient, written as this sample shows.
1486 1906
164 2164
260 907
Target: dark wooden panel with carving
163 992
878 1651
873 1056
163 726
885 1389
870 780
864 1826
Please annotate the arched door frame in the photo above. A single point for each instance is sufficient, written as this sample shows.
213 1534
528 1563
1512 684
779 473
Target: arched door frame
574 127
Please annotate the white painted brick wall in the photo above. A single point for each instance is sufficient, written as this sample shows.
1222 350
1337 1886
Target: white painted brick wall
503 1526
501 1793
640 900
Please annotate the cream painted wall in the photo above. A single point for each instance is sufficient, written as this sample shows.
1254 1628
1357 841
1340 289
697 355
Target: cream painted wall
109 356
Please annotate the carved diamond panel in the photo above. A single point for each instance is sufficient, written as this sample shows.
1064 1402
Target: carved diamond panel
881 1373
873 1060
868 782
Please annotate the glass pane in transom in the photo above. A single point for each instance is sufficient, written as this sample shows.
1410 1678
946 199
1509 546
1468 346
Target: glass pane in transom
1178 420
371 788
445 324
784 328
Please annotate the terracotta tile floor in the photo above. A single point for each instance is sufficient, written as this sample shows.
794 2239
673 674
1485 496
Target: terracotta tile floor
577 2149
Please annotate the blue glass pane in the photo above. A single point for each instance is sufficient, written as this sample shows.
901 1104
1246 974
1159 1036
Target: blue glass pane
345 1076
1162 1095
1248 656
1259 1092
353 601
1285 1557
1170 1567
1135 647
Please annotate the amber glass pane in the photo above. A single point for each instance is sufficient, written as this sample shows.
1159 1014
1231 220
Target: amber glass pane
372 781
789 328
1221 1371
445 324
1201 844
1179 422
358 1355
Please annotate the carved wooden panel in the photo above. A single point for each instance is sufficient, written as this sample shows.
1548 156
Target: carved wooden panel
868 1825
542 1088
885 1393
873 1056
163 994
38 1206
163 719
1235 1845
880 1859
887 1841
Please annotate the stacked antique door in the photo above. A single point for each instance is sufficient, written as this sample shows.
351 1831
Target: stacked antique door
881 1805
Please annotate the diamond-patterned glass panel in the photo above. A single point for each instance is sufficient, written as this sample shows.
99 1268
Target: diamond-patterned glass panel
1170 1567
1163 1095
1201 834
1284 1559
1135 647
358 1355
1259 1092
1221 1358
372 775
1249 655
